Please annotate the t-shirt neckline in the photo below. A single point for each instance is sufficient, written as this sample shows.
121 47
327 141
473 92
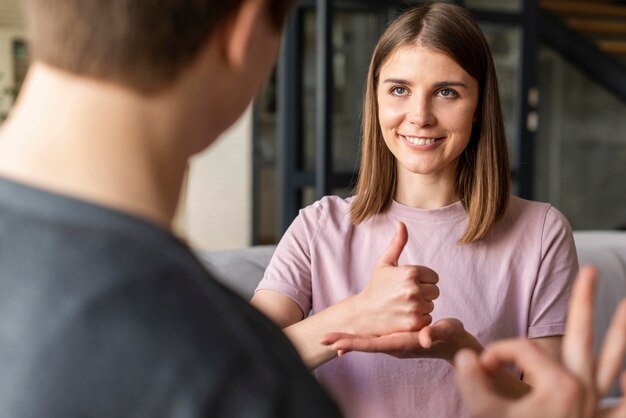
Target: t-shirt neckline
453 211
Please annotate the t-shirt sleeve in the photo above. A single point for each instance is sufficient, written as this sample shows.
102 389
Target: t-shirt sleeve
557 269
289 270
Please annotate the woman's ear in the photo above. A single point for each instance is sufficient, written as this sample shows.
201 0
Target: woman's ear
235 35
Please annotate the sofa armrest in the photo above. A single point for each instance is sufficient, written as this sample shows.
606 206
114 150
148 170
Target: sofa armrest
607 251
239 269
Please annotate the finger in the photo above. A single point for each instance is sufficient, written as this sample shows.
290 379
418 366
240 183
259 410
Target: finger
398 342
578 339
427 276
526 356
429 291
425 337
475 387
333 337
442 330
424 307
390 256
612 352
618 409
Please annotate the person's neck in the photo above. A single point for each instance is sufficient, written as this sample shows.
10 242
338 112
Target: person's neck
425 191
96 142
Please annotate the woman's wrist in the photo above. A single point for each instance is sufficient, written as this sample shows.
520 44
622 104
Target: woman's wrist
353 316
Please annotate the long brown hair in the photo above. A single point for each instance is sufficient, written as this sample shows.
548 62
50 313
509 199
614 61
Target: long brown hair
482 178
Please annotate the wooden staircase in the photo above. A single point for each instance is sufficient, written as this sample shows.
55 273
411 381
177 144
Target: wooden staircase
602 21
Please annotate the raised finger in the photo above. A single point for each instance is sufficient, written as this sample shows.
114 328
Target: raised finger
578 338
613 349
391 254
617 409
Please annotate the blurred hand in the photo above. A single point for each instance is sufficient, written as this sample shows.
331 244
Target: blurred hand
397 298
568 390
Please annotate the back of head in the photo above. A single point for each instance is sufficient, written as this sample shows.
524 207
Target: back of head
142 44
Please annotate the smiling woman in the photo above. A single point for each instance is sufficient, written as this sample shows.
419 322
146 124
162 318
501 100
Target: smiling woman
477 263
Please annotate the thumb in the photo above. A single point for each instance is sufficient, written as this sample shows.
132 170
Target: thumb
475 387
393 251
443 330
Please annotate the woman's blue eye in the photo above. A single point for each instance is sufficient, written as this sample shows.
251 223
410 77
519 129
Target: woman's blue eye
398 90
447 93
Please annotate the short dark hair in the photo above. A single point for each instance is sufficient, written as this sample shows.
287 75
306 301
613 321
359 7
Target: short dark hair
143 44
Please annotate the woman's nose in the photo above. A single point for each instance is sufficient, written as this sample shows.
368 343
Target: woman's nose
421 112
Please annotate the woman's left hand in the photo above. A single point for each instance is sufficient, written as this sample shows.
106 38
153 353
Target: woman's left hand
440 340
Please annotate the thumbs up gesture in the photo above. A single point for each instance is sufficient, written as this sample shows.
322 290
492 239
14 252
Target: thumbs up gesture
398 298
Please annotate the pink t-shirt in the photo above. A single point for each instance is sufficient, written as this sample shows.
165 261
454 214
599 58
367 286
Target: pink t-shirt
515 282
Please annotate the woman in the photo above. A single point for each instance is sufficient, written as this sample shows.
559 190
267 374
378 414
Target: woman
434 166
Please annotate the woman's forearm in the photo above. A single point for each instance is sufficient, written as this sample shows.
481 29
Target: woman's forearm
306 335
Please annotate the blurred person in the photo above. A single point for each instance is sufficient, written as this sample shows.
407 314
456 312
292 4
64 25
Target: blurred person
103 311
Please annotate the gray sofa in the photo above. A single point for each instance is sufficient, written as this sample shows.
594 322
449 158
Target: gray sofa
242 269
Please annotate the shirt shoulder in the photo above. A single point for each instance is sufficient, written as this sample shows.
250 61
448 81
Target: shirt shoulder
532 215
333 208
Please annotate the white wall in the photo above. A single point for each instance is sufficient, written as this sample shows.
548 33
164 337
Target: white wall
216 205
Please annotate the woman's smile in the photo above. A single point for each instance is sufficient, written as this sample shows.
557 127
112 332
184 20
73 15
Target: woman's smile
422 143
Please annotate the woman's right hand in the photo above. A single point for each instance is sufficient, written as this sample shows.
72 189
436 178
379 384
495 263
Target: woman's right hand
398 298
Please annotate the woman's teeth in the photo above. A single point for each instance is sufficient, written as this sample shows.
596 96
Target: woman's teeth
420 141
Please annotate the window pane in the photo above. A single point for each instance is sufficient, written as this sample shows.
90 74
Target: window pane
308 196
581 147
309 63
343 192
354 38
505 46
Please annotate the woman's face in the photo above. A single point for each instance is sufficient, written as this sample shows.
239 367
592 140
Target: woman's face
426 108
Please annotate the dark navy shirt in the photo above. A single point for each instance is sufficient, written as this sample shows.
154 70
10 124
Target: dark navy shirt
103 314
